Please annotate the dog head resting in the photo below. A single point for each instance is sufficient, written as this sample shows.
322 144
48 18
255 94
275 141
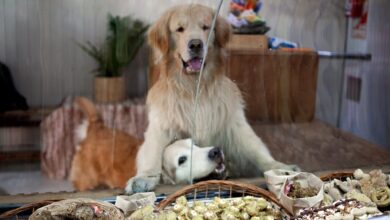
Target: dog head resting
179 166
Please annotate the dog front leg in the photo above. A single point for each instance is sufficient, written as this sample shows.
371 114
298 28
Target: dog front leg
245 140
149 161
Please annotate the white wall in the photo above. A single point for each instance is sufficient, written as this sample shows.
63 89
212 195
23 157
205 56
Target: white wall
320 25
37 42
370 117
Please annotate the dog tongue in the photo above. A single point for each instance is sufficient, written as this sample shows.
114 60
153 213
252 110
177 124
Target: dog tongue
195 64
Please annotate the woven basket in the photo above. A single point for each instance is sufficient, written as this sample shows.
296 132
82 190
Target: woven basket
336 175
211 188
28 207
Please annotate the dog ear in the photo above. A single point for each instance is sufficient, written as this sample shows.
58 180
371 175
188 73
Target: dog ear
158 36
222 31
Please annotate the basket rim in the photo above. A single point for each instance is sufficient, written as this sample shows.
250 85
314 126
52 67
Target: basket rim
335 175
26 207
222 183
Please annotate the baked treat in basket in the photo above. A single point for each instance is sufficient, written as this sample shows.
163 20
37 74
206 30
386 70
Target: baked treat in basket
216 200
81 208
371 187
295 190
348 209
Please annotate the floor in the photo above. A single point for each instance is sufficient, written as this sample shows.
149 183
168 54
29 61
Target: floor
26 179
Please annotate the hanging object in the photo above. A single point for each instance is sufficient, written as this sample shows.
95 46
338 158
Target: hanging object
354 8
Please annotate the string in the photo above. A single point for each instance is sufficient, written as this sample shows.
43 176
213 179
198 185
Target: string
198 83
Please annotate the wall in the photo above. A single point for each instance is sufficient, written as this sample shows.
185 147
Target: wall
37 41
319 25
369 117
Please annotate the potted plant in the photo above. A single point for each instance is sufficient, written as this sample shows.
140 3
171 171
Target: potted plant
124 39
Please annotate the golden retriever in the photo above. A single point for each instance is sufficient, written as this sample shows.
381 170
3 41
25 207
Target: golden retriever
179 38
106 157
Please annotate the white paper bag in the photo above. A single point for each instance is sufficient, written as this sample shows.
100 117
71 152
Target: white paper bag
306 180
276 178
131 203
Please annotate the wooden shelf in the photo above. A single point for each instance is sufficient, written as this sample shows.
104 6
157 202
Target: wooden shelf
20 156
29 118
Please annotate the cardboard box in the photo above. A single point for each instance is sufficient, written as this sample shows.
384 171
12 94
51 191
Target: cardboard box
250 42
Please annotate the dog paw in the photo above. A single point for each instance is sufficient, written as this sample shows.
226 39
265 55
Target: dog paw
279 165
141 184
292 167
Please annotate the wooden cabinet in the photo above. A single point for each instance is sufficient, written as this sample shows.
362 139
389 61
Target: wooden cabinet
278 86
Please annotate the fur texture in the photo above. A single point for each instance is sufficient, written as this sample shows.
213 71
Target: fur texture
106 157
220 119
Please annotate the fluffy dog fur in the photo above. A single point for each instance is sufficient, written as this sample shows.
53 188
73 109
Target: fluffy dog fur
220 119
106 157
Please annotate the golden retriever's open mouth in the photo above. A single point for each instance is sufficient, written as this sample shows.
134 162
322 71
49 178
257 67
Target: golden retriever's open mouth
219 172
220 168
193 65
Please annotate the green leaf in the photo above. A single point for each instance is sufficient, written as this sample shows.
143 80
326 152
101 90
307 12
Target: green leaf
125 37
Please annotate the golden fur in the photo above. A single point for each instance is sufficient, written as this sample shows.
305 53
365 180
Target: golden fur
105 157
220 119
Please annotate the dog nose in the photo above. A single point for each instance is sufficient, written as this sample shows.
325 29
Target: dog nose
195 45
215 153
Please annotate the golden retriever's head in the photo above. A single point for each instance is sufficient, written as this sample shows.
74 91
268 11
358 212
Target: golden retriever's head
177 163
182 32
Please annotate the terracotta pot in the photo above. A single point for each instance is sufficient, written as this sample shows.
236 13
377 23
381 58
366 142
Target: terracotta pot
109 89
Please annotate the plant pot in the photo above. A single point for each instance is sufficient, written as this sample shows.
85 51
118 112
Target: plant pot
109 89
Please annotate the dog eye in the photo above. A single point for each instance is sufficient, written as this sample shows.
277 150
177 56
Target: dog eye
205 27
182 159
180 29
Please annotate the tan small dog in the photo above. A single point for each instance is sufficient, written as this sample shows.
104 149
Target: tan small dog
104 155
107 157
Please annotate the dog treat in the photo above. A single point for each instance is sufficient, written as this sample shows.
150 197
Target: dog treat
358 174
148 213
129 204
355 194
381 196
167 215
369 187
227 209
78 209
143 213
297 191
376 179
246 208
347 209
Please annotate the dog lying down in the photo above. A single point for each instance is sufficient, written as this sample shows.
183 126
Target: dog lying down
107 157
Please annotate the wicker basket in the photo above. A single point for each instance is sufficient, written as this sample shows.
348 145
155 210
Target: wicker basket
28 207
336 175
229 189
